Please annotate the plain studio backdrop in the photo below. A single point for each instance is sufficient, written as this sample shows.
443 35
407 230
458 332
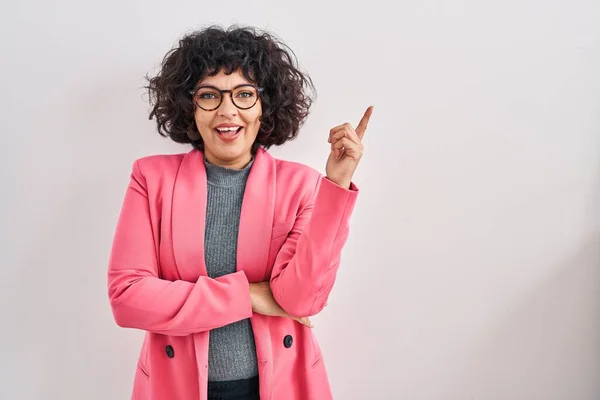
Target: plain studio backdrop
473 266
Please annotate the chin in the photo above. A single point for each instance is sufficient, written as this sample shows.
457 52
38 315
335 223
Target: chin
230 153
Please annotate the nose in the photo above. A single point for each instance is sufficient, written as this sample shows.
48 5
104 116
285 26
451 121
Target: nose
227 108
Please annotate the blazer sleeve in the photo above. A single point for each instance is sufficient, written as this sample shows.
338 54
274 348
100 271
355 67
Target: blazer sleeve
140 299
305 268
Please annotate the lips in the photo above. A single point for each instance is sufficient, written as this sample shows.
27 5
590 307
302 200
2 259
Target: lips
228 133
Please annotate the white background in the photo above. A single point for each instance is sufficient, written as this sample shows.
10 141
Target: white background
473 266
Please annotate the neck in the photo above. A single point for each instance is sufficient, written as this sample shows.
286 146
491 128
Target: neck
237 163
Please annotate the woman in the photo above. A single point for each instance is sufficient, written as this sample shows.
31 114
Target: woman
221 254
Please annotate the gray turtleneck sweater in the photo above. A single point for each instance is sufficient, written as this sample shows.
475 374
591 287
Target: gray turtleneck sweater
232 351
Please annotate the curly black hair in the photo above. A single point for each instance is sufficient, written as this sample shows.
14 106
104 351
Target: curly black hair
262 58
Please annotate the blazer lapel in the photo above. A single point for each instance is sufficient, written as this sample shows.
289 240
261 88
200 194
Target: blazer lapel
189 216
256 220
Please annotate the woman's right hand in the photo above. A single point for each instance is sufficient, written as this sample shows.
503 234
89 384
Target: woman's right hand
264 303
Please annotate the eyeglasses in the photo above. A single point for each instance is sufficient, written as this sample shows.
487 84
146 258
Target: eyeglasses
209 98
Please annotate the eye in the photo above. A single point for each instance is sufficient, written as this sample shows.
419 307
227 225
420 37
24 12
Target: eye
207 96
245 94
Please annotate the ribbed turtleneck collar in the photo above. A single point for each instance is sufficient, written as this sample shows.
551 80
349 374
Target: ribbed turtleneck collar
222 176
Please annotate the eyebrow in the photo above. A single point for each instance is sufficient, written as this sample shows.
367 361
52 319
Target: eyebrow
216 87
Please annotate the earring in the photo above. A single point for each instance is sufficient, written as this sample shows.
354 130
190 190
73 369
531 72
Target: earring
192 132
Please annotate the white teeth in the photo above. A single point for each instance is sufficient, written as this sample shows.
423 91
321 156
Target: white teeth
228 129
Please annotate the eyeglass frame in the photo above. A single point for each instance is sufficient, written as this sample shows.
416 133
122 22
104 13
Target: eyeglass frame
222 93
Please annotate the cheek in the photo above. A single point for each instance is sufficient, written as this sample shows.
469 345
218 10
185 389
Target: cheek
253 120
258 115
201 119
203 124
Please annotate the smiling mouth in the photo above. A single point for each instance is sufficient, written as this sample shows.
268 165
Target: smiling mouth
228 134
229 130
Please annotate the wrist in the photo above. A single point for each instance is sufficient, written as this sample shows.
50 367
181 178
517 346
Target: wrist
345 183
252 294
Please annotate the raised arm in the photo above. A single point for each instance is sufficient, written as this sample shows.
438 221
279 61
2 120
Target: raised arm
306 265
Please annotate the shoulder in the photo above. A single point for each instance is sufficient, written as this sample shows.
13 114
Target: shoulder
295 171
159 161
159 164
297 178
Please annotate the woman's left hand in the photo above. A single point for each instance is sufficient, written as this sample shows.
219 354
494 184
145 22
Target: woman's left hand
346 150
264 303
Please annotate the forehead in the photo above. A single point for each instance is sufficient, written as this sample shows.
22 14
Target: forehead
223 81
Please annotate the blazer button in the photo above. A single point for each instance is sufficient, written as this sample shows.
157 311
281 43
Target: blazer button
287 341
170 351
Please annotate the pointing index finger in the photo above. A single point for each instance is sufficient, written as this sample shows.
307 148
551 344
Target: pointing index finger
364 121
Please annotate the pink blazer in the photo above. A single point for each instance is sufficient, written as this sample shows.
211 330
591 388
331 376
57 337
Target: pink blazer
294 223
